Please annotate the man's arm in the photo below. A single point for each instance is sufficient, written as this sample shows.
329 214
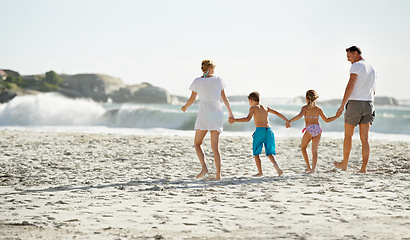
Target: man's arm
348 92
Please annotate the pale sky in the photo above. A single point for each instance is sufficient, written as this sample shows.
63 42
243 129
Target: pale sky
279 48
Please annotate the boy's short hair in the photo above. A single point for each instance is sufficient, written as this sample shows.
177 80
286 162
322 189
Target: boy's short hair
254 96
353 49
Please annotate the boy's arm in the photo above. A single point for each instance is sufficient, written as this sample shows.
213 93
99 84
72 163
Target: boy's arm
299 116
326 119
190 101
245 119
278 114
227 103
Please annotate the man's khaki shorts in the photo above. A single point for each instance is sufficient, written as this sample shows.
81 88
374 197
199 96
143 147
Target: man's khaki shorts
358 112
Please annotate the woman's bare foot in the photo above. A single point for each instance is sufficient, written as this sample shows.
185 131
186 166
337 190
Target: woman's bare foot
339 165
202 173
258 175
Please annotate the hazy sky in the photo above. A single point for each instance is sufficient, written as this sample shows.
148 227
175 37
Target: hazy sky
279 48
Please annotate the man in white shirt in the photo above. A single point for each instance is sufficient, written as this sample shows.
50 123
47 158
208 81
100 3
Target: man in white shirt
359 101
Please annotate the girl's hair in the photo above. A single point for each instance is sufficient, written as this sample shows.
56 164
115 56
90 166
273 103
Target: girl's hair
311 96
206 64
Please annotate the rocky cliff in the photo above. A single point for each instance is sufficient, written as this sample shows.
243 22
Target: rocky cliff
100 88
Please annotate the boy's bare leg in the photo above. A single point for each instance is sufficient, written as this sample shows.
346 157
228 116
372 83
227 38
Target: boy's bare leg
364 137
215 150
303 146
347 147
275 164
258 165
199 137
315 147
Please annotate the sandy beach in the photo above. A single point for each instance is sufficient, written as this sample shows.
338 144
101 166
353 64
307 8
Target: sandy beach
112 186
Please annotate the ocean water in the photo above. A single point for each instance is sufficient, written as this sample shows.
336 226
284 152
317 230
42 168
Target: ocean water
53 112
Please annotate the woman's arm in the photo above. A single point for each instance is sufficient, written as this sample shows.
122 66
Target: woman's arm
227 103
190 101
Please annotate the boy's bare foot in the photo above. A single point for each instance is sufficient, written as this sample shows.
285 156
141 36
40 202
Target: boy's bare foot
280 172
258 175
340 166
202 173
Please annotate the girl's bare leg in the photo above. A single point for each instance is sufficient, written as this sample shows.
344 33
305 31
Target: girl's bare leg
215 150
199 137
258 165
315 147
303 146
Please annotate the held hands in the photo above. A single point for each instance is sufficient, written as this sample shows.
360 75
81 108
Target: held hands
340 111
288 124
231 120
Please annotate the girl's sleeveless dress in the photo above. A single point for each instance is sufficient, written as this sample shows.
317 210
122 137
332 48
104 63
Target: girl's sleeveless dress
210 113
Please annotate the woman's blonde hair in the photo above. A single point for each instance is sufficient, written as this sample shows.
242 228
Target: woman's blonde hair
311 96
206 64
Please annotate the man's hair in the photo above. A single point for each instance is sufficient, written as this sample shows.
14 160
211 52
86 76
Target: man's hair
353 49
254 96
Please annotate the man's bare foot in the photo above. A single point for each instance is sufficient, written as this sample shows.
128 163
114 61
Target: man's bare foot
258 175
202 173
340 166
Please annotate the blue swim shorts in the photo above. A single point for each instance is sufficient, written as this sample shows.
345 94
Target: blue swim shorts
263 136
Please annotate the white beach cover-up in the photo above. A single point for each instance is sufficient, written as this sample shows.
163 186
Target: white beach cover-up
210 113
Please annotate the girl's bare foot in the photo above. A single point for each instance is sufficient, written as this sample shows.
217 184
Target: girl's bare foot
258 175
202 173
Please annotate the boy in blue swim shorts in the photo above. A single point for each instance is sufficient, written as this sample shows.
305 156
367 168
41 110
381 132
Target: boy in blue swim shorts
263 134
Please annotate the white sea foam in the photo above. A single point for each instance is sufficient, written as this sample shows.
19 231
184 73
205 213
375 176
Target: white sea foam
53 112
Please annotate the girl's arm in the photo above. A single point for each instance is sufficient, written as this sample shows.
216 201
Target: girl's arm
190 101
326 119
227 103
300 115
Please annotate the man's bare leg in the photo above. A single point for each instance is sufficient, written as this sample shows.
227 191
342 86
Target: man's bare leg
364 137
347 146
215 150
199 137
275 164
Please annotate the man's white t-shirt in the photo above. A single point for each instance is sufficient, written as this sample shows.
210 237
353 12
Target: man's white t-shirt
365 83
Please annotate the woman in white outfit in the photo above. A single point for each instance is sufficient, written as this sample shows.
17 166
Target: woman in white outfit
210 90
